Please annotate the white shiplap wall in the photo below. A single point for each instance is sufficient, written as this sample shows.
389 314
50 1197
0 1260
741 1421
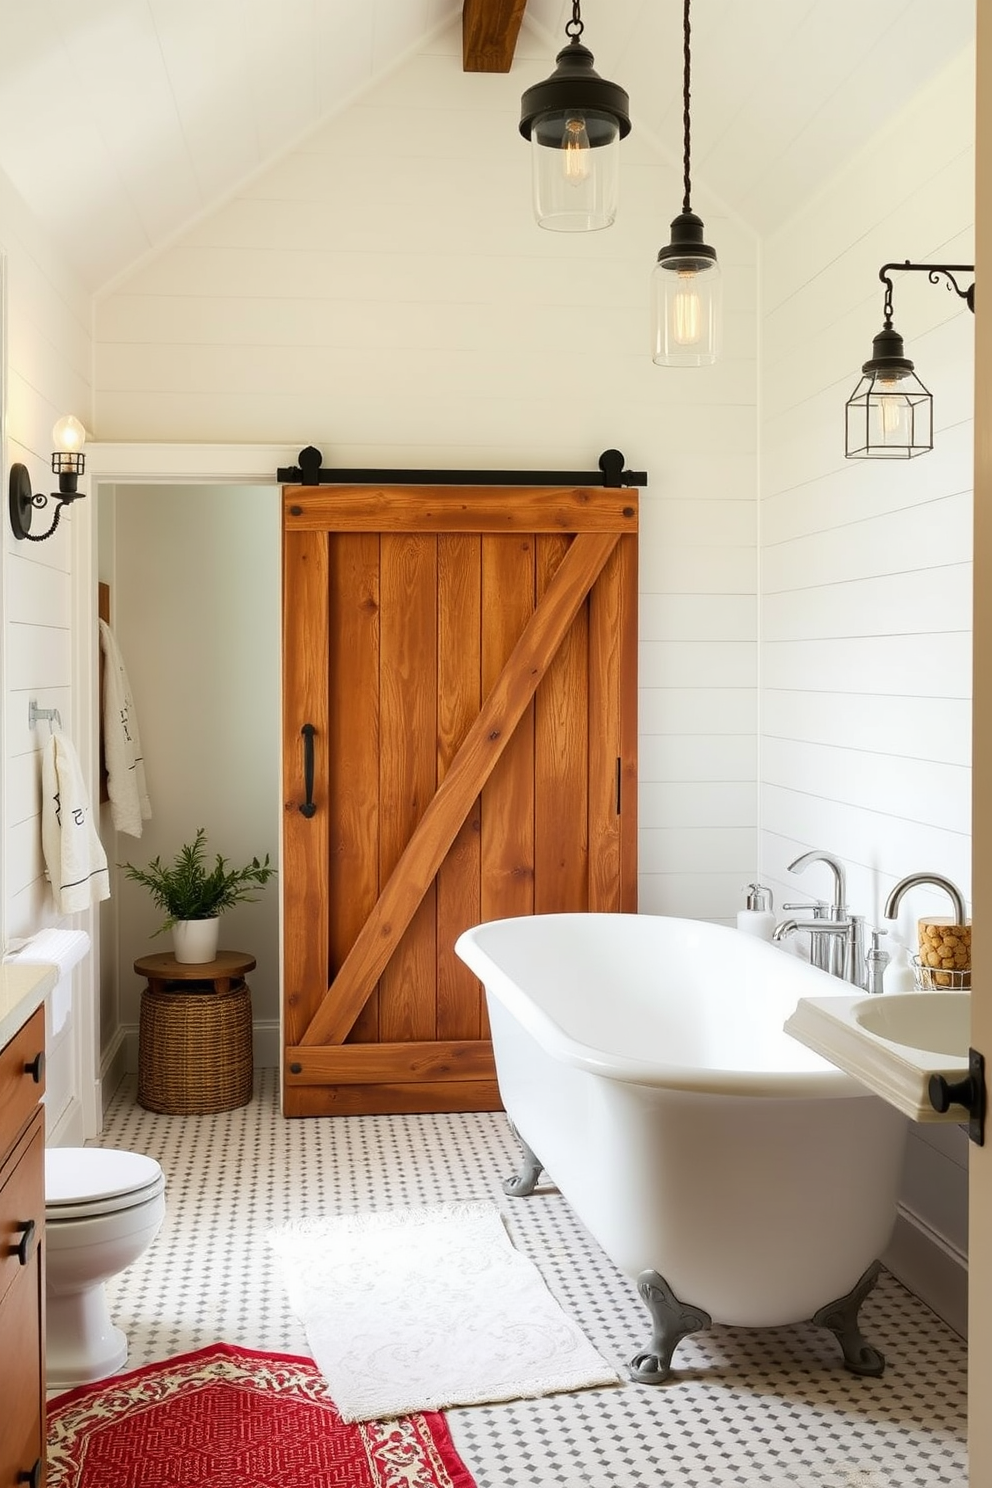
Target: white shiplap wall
866 566
48 374
384 294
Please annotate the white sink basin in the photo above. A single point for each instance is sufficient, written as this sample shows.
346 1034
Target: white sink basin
892 1043
937 1023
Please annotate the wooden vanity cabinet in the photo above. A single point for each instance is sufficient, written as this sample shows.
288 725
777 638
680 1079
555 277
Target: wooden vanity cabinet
22 1275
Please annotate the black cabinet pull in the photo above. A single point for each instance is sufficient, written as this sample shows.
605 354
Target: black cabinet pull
308 809
22 1249
31 1475
36 1068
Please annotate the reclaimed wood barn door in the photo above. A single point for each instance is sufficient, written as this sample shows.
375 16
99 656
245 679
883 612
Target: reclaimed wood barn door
459 744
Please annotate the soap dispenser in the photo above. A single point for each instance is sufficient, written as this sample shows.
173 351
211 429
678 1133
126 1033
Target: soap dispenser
758 918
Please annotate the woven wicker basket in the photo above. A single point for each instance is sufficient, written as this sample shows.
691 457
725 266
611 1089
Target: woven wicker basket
195 1050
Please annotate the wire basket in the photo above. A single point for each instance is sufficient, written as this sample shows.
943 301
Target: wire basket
941 978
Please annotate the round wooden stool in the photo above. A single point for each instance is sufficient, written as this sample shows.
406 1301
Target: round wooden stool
195 1034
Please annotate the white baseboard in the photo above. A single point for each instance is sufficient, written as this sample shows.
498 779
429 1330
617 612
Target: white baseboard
68 1130
932 1269
113 1067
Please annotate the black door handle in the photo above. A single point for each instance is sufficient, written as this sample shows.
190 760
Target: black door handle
308 731
31 1475
22 1249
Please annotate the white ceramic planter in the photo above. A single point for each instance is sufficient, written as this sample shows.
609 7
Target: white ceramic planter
195 941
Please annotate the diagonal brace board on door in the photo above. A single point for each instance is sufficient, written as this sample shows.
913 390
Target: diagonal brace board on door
473 764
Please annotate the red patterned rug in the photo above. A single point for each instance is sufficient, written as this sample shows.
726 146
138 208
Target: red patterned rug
230 1418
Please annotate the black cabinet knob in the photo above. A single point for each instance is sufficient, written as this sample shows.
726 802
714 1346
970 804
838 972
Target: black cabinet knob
36 1068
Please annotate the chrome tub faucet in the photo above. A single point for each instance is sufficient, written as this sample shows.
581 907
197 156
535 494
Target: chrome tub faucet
837 938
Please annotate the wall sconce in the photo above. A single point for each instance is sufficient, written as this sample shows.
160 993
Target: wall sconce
890 413
575 121
68 463
686 279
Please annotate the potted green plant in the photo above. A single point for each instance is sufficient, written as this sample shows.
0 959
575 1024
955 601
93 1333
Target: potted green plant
194 894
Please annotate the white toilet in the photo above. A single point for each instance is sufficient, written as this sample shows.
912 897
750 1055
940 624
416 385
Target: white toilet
102 1210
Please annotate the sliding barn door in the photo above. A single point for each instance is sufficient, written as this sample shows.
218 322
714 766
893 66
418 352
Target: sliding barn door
459 737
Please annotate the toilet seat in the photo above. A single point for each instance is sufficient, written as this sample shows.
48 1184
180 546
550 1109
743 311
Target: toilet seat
84 1182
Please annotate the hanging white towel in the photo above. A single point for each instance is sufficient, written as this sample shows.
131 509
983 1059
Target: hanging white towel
62 948
74 855
129 803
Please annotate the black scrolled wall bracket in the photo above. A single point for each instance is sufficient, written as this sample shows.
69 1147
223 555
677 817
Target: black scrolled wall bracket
934 272
23 502
310 471
969 1092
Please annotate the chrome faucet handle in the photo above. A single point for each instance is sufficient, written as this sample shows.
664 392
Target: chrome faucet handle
818 906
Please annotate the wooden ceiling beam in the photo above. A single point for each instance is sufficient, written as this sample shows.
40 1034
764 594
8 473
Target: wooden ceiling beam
489 34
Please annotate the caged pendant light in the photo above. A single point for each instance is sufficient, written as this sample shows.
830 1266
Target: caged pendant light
575 121
889 416
686 284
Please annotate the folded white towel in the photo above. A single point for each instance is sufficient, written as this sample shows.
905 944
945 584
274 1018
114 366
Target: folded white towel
74 855
129 803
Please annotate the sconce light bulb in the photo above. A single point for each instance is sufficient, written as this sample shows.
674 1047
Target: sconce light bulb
68 434
575 145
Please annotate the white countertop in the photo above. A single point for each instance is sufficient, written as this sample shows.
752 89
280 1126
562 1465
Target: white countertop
23 988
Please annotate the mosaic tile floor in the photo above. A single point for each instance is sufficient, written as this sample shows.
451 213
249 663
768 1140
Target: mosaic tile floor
743 1407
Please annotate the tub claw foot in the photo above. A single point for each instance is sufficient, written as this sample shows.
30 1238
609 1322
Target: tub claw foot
841 1318
524 1181
671 1321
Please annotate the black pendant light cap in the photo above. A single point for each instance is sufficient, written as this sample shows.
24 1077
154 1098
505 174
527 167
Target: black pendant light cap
687 245
575 85
888 356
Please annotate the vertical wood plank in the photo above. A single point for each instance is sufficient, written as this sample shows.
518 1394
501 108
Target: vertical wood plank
408 767
508 590
353 749
605 747
627 549
304 879
460 1001
561 759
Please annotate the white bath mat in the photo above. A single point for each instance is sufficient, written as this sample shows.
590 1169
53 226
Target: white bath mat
421 1309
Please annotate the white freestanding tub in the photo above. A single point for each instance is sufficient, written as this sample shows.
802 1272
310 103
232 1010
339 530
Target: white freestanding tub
734 1174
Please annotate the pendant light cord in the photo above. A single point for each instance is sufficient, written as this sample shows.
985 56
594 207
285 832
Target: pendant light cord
686 125
574 28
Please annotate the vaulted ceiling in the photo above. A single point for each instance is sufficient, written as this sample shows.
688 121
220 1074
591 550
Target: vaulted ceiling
121 121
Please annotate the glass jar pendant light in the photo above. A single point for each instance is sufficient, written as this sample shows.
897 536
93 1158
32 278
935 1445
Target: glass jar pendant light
575 121
686 284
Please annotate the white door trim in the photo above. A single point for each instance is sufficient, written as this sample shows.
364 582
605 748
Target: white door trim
112 464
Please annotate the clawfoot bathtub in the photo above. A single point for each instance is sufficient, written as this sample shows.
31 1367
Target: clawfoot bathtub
736 1176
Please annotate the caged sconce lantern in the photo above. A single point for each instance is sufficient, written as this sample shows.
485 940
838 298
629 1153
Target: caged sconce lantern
889 416
685 284
68 463
575 121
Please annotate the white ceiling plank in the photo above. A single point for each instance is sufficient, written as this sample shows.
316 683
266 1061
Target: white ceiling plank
114 47
206 56
166 107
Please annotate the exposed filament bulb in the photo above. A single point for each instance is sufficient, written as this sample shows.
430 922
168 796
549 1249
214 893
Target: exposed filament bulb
575 143
687 310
